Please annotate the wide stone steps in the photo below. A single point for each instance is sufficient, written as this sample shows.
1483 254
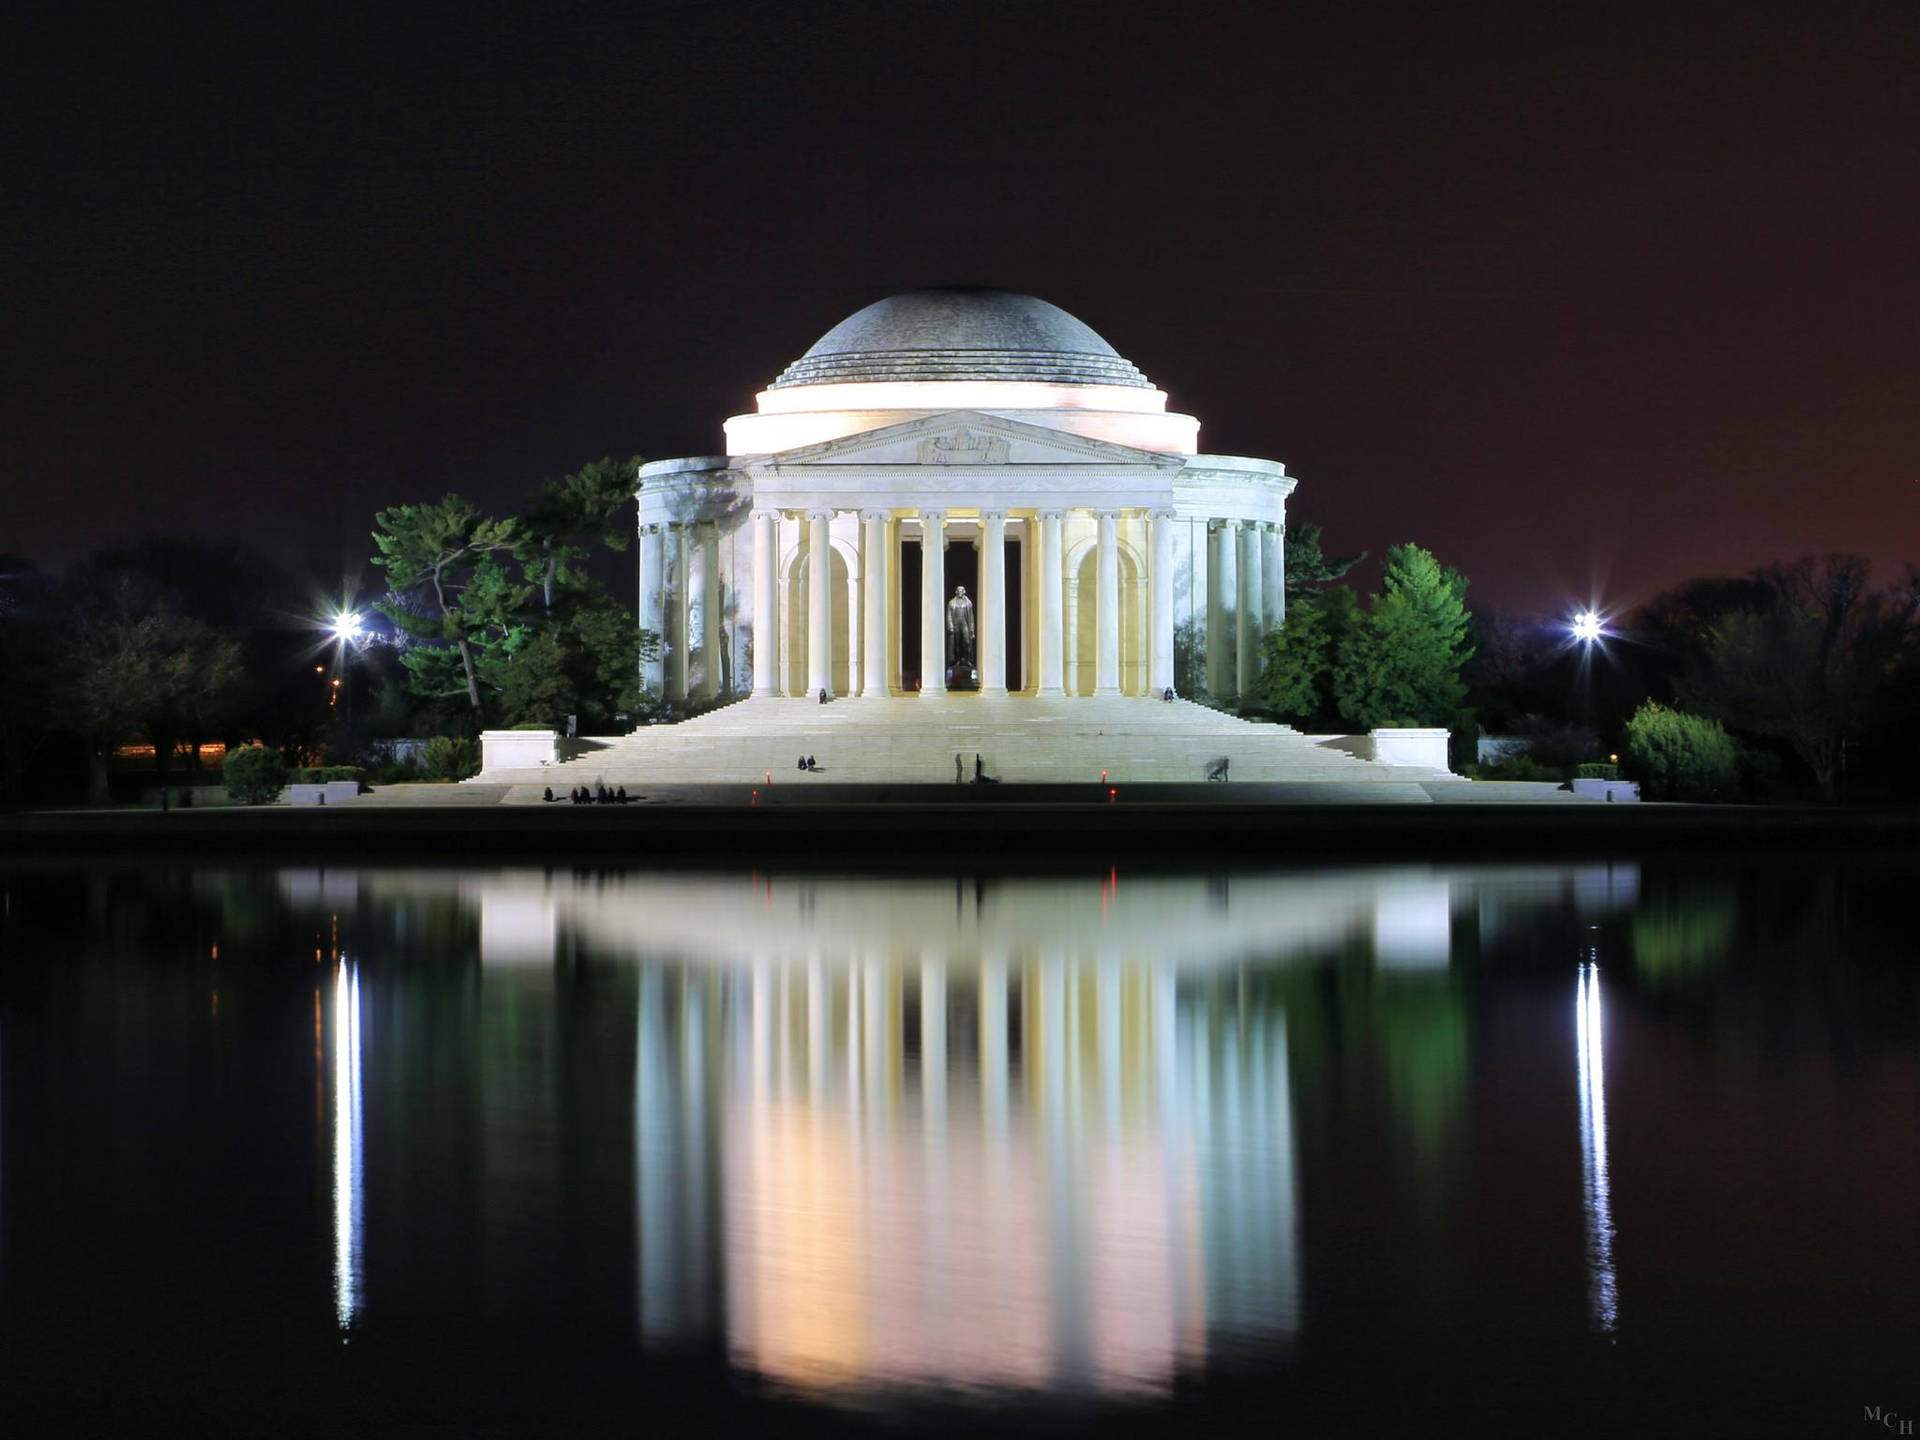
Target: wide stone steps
912 740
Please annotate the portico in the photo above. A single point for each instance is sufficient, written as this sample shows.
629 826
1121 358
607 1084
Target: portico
947 438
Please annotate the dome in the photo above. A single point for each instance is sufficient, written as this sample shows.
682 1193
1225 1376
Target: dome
961 333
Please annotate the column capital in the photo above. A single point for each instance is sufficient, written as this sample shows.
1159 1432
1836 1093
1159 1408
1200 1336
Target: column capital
1107 513
766 512
1161 512
1223 524
821 512
934 514
999 515
1054 513
869 516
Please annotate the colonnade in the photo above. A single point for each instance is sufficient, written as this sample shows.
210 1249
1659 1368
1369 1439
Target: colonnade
681 601
681 597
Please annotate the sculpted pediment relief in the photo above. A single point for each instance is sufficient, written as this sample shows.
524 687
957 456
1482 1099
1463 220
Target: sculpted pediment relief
962 446
965 437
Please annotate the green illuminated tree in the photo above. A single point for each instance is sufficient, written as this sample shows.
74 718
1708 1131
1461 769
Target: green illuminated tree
1401 663
455 593
1296 679
1307 568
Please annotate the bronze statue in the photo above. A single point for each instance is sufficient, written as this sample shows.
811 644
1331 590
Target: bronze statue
959 627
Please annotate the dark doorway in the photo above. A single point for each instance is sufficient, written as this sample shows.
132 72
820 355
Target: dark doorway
910 615
962 568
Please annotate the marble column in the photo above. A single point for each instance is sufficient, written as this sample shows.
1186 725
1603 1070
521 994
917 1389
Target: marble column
933 602
1232 611
1106 657
1273 573
819 603
676 635
1216 613
707 538
766 602
873 671
992 626
1052 584
1250 627
1160 651
653 579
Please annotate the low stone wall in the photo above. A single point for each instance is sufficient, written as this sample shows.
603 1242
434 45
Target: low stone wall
1614 790
1410 747
517 749
326 792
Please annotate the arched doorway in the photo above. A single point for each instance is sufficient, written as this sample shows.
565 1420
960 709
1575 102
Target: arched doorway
797 648
1083 605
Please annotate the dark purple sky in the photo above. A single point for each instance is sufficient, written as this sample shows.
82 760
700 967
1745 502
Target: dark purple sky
1565 293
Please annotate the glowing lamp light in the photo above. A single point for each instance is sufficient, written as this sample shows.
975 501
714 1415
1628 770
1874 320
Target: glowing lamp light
1587 627
346 626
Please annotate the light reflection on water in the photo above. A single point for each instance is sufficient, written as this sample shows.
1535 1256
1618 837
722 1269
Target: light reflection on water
1013 1135
349 1197
1604 1299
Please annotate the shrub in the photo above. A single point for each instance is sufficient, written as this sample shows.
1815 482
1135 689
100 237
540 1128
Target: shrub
254 774
1596 771
1677 756
531 725
397 772
449 757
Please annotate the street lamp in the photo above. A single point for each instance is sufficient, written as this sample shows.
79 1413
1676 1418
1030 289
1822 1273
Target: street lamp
349 633
1587 627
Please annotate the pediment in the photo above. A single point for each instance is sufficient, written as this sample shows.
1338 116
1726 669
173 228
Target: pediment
965 438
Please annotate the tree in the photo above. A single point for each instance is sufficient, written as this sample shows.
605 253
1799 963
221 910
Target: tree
1401 663
254 774
134 663
572 513
1307 569
1677 756
584 658
1296 677
453 595
1811 663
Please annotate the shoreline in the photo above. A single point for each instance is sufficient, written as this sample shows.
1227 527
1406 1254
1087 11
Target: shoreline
919 826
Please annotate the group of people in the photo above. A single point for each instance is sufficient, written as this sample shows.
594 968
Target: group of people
980 776
592 795
806 763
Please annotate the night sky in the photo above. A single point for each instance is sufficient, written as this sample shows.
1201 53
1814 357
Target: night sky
1585 299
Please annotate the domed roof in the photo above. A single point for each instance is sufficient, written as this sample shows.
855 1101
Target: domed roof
961 332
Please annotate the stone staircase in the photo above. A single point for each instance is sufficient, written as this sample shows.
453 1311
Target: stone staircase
1021 739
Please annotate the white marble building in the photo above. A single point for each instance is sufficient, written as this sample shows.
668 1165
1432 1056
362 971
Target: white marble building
959 437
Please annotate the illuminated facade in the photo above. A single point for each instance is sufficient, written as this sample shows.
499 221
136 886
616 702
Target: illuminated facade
959 437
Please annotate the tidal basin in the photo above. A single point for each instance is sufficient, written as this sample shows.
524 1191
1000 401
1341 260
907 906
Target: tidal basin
1539 1147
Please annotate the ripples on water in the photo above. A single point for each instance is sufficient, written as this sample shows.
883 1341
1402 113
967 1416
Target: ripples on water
1122 1138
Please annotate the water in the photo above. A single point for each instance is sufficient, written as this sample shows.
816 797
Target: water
1541 1148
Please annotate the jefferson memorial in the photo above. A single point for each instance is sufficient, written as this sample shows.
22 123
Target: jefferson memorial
960 528
949 440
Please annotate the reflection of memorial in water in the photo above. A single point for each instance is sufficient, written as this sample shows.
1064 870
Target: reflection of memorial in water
1027 1134
1033 1172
